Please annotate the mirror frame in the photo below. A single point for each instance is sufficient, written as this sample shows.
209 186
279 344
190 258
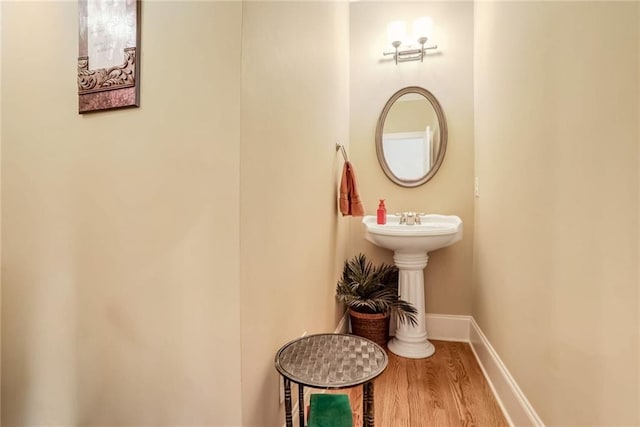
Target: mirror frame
442 123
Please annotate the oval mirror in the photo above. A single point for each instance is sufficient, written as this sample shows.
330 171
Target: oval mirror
411 137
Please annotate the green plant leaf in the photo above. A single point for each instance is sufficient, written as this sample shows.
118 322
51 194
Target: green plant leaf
373 289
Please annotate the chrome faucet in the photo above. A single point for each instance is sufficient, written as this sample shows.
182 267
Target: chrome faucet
409 218
403 217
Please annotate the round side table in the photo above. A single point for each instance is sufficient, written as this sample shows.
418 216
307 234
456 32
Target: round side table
330 361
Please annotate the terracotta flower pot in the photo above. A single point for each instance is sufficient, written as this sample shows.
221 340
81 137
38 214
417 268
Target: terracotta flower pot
371 326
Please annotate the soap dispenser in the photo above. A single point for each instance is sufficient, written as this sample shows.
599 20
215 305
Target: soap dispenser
382 213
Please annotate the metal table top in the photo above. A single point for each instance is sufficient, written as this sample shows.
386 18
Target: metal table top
331 361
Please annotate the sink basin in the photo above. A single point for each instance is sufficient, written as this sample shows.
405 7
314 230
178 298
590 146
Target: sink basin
411 245
434 232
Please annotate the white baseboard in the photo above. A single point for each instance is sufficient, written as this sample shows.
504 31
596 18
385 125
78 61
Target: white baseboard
343 324
447 327
510 397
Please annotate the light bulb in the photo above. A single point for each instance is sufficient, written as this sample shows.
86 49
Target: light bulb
422 28
396 32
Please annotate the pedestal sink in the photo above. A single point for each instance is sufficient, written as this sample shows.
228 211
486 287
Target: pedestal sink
411 245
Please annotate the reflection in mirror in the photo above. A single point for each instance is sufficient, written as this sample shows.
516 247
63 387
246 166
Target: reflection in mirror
411 137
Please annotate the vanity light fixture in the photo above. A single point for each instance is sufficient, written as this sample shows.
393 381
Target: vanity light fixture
405 49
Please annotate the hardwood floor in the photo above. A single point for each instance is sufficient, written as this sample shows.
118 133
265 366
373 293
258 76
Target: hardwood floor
447 389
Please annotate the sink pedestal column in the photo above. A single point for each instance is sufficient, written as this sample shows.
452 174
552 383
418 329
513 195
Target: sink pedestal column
411 341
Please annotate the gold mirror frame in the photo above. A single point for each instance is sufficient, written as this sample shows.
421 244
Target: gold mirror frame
442 124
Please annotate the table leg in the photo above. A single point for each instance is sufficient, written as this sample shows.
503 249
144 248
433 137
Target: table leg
287 402
301 404
367 404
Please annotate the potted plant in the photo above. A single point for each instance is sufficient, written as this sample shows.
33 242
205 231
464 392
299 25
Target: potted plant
371 294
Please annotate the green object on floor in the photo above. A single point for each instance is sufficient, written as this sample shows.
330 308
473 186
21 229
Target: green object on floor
330 410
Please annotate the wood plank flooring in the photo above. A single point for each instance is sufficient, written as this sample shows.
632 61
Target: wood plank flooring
447 389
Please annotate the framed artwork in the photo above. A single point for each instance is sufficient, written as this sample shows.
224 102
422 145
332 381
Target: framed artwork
108 54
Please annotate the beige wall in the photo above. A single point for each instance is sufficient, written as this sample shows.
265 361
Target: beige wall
294 110
449 76
120 269
556 248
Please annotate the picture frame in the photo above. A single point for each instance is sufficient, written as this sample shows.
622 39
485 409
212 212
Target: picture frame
108 54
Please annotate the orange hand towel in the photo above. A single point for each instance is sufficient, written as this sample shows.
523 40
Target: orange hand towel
350 203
